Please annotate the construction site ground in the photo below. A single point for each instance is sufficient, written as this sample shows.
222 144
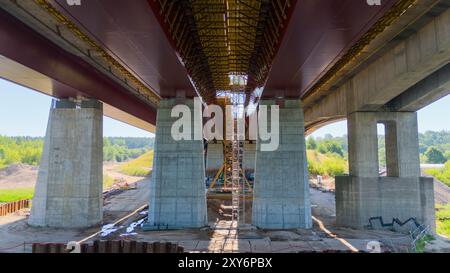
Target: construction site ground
222 235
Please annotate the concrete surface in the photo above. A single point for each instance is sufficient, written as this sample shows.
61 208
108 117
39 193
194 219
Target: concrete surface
358 199
281 190
178 194
403 194
404 67
402 143
248 161
69 186
214 158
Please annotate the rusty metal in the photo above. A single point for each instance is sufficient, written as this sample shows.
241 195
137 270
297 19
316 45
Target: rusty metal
111 247
12 207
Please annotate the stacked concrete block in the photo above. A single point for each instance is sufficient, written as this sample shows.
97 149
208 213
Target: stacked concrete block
69 186
214 157
178 192
400 196
281 189
249 156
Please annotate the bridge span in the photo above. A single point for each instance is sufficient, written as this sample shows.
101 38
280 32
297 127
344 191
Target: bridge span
318 61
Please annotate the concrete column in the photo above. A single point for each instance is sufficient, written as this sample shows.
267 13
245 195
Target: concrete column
214 158
249 156
69 186
365 199
281 190
178 191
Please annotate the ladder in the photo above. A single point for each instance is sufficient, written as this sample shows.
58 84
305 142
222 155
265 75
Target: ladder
237 180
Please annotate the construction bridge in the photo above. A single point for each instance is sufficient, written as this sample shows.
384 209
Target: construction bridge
319 61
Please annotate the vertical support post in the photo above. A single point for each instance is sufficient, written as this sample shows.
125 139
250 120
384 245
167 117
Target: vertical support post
69 186
281 189
364 198
178 193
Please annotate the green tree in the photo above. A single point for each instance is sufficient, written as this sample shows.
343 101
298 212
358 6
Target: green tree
434 156
331 146
311 143
447 155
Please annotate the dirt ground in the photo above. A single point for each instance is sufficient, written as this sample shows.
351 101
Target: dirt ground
221 235
18 176
25 176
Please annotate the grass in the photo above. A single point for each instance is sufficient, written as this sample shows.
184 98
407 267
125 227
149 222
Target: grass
325 164
12 195
140 166
420 244
108 182
441 174
443 220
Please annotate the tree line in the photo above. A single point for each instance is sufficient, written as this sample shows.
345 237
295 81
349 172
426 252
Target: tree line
434 148
28 150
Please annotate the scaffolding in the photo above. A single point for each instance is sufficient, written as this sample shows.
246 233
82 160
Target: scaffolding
217 39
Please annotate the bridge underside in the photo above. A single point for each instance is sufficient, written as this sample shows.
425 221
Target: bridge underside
318 60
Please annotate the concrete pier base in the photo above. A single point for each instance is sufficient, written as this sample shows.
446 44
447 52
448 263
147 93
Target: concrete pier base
178 192
384 202
69 186
364 199
281 189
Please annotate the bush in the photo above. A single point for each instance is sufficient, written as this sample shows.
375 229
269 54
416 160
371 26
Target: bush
326 165
434 156
334 166
442 174
330 146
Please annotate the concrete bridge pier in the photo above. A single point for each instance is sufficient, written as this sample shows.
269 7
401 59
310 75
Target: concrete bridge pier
177 194
281 189
69 186
249 157
364 198
214 158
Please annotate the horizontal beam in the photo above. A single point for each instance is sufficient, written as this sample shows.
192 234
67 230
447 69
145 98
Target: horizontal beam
70 76
427 91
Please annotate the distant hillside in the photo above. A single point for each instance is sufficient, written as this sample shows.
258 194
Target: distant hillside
434 147
28 150
140 166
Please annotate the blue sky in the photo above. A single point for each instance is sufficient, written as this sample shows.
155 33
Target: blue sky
434 117
24 112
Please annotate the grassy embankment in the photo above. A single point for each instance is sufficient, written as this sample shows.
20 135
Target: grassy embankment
140 166
443 220
442 174
443 212
11 195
